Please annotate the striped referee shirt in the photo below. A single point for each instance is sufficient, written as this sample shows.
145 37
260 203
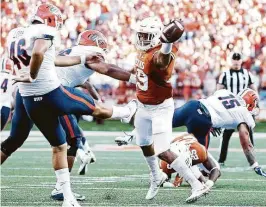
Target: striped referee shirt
236 80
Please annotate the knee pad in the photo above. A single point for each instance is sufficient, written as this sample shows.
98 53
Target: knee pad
10 145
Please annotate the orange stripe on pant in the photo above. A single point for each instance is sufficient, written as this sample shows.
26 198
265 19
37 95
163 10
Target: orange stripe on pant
77 98
70 129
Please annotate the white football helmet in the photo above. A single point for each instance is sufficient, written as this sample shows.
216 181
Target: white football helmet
148 32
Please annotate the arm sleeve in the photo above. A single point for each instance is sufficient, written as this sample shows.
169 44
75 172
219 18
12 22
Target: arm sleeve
250 121
222 79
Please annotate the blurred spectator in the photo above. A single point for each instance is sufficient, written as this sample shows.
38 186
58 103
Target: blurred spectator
213 30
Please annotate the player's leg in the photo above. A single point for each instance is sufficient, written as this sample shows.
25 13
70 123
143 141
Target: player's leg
162 139
224 146
73 134
199 122
21 125
73 137
143 126
5 114
179 164
213 168
83 104
45 116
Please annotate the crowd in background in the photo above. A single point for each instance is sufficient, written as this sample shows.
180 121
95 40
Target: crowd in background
213 29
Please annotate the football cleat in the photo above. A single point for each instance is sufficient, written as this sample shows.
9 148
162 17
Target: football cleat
85 160
124 140
132 105
196 194
259 171
70 203
58 195
155 185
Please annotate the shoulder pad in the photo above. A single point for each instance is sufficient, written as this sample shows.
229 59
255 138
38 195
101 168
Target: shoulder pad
42 31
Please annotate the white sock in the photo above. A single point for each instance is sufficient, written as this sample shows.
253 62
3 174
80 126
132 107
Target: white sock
154 166
180 166
58 186
63 178
196 171
134 132
120 112
256 164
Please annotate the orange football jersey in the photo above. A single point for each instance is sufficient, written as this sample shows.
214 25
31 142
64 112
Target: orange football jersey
198 153
153 85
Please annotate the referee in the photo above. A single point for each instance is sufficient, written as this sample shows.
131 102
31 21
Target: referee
235 80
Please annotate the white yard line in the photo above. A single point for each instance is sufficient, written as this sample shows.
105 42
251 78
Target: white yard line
142 189
117 178
128 148
4 134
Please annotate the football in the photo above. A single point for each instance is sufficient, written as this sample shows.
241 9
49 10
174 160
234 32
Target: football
172 31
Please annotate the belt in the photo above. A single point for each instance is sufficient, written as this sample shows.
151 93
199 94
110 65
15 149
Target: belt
204 110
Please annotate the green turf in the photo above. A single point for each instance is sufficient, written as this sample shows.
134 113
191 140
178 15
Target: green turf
110 125
121 179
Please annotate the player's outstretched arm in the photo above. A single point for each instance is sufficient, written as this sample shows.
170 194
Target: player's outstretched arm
162 58
170 34
64 61
112 71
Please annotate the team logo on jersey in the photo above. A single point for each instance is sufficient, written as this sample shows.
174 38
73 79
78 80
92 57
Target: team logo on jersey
38 99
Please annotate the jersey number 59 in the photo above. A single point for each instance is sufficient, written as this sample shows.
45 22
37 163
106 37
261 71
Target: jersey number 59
142 80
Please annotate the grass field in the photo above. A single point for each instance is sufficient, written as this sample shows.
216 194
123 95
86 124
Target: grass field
120 177
110 125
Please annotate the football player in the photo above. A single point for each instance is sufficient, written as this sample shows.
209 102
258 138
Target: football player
88 42
221 110
155 61
41 98
196 154
6 90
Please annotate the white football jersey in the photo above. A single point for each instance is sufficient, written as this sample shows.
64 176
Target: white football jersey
227 110
20 43
78 74
6 83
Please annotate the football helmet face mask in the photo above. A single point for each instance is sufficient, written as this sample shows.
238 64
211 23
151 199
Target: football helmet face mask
48 14
92 38
251 99
148 32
